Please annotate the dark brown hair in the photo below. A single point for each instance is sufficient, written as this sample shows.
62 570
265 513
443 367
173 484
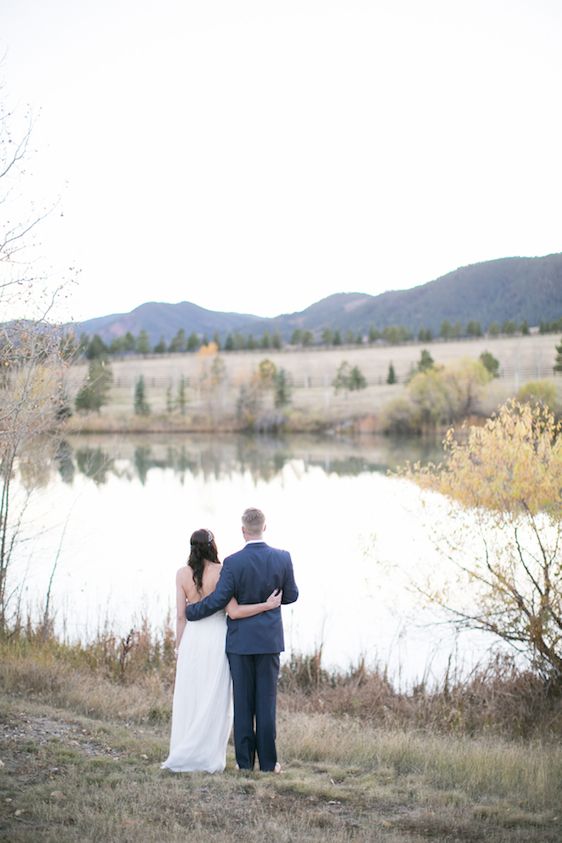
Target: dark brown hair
203 548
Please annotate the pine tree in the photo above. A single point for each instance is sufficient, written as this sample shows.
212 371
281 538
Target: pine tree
282 385
142 343
558 361
94 391
96 348
182 396
391 377
193 342
426 361
474 329
142 407
357 379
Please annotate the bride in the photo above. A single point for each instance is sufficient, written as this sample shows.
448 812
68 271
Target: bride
202 706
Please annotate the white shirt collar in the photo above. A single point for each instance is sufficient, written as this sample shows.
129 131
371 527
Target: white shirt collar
254 541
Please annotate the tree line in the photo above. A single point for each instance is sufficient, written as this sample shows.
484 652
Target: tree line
92 347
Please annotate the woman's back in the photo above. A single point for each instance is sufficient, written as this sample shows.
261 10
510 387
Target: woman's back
211 573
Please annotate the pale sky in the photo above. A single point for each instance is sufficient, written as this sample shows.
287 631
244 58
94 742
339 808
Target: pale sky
259 155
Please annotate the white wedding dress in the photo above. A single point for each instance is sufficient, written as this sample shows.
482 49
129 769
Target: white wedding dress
202 707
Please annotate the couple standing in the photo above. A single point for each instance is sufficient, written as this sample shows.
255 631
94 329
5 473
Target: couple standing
202 706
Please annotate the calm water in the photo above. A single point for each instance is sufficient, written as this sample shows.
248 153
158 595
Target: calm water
117 513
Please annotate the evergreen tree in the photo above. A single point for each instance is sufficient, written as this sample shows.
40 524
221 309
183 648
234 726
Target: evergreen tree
446 331
96 349
178 343
491 363
193 342
142 407
296 337
116 345
182 396
558 361
229 343
391 377
94 392
509 327
357 379
307 338
160 347
128 342
426 361
493 329
374 334
524 328
336 339
282 387
474 329
142 343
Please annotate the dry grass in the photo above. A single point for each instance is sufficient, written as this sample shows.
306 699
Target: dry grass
85 727
67 777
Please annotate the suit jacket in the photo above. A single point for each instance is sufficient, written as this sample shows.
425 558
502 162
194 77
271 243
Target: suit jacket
251 575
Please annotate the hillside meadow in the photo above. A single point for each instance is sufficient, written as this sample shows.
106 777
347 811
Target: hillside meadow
314 403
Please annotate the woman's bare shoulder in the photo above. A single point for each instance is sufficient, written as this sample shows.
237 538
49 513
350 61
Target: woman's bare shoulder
184 574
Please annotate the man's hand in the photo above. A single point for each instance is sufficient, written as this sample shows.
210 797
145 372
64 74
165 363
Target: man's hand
274 600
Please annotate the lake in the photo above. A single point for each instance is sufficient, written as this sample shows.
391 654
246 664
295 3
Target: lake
117 513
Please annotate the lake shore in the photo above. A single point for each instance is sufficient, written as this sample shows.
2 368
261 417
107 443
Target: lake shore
84 732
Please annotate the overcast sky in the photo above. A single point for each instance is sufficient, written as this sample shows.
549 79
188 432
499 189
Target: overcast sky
259 155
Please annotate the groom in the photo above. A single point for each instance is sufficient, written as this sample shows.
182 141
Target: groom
253 644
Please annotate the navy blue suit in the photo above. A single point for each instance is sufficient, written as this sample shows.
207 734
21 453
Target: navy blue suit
253 644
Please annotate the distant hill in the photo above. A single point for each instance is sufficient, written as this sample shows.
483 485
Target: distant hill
494 291
160 319
515 289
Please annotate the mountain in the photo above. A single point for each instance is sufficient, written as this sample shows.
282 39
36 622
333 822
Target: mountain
515 289
160 319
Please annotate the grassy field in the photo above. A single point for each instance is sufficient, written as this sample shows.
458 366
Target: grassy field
311 370
83 737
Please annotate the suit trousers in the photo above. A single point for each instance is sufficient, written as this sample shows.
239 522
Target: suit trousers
254 685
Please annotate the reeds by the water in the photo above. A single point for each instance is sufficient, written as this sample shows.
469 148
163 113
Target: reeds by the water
131 677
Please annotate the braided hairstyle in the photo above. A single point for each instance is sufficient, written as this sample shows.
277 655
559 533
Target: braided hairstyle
203 548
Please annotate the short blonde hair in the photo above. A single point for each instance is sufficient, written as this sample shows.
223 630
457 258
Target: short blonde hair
253 521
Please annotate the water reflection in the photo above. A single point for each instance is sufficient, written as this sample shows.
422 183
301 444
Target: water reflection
216 457
117 512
